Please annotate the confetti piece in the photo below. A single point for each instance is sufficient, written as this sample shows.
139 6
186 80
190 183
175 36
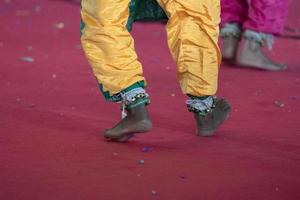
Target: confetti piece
153 192
27 59
37 8
54 75
141 162
172 95
168 68
279 104
59 25
147 149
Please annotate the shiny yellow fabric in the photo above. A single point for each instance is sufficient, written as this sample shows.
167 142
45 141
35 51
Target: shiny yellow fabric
192 30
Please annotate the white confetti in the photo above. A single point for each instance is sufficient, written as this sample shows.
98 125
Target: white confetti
153 192
141 162
37 8
27 59
279 104
59 25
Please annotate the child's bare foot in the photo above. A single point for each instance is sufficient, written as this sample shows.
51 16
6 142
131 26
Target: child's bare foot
230 46
136 121
122 139
208 124
252 56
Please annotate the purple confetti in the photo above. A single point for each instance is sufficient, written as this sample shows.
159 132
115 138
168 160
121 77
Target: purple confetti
147 149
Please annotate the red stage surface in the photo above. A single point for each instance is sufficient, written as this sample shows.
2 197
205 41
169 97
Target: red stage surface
52 118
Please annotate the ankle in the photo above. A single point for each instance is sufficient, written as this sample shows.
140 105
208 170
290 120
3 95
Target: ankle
139 111
231 30
259 39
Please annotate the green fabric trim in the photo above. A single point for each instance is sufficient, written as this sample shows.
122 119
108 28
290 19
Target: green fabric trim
117 97
144 10
140 10
82 25
149 10
132 13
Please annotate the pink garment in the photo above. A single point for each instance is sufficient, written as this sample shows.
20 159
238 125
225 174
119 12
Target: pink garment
267 16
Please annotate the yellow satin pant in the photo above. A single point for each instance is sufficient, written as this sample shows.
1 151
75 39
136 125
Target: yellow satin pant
192 30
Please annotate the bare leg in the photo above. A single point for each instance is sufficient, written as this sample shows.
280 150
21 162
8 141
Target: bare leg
231 34
230 47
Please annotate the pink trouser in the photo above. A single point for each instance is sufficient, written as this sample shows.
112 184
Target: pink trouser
266 16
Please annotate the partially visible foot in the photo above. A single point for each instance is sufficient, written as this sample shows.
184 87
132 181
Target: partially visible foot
229 50
136 121
252 56
208 124
122 139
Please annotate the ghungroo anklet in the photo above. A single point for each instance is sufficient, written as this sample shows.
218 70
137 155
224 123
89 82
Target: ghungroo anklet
133 98
264 39
231 29
201 106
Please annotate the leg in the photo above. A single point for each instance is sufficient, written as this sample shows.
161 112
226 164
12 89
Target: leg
108 45
233 15
109 49
234 11
193 32
266 18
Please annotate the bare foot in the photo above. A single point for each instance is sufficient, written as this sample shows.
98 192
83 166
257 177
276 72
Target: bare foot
252 56
208 124
230 46
136 121
122 139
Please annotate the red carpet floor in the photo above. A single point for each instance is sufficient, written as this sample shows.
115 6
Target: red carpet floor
52 117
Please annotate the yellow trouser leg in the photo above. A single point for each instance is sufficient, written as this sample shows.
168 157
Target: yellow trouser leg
108 45
193 30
